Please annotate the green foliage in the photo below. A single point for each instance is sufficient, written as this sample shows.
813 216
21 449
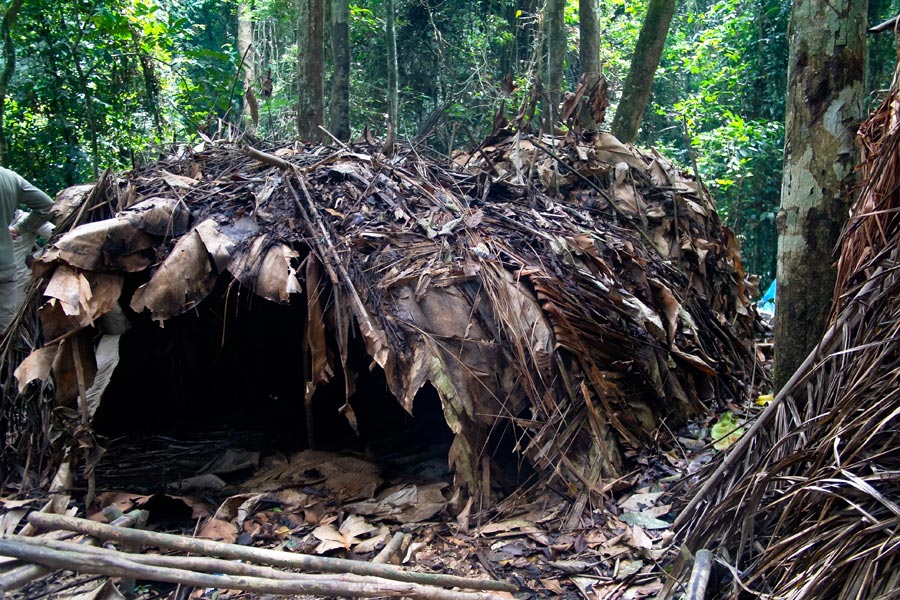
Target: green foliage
103 82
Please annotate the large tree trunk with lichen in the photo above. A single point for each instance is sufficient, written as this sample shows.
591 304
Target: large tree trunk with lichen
340 81
826 74
311 70
639 82
250 110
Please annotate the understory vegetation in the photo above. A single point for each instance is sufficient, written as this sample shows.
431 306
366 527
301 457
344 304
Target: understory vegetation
114 83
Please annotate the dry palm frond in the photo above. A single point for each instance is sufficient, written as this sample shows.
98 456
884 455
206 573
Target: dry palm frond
579 322
808 504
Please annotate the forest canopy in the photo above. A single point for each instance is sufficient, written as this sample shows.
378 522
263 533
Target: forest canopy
95 84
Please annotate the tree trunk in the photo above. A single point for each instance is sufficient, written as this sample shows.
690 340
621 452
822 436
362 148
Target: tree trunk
151 83
639 82
826 75
556 56
250 111
340 83
93 128
588 52
311 68
393 77
9 68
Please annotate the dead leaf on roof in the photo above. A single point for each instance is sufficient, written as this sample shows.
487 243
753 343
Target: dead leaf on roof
181 282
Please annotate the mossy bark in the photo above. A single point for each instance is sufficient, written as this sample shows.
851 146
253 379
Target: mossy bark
826 75
9 67
588 50
556 55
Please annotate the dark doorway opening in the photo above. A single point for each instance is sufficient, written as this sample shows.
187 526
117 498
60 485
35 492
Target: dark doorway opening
230 374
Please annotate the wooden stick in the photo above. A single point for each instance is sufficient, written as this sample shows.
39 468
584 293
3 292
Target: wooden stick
391 549
696 589
263 157
117 566
16 578
260 555
373 335
187 563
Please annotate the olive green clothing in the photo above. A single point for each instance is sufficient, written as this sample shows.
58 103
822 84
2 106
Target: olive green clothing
15 190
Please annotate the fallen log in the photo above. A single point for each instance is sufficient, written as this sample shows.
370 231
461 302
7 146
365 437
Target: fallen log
118 566
261 555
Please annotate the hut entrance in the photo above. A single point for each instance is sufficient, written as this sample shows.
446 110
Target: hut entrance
231 374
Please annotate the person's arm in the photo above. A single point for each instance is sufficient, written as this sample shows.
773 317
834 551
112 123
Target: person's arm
39 203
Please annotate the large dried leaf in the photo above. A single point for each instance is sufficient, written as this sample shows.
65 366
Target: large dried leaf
104 245
266 267
181 282
164 217
36 366
355 534
107 356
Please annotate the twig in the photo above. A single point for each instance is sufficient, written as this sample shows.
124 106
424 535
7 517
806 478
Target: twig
391 549
119 566
481 151
885 26
259 555
332 261
599 190
237 77
332 136
263 157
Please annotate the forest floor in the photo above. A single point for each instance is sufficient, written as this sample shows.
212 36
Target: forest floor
352 505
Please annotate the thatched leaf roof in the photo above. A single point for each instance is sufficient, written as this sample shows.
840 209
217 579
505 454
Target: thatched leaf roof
580 292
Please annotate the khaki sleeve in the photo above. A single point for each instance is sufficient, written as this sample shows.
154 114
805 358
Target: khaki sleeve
39 203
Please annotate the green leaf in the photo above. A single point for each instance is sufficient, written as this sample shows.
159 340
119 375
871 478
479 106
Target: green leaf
726 432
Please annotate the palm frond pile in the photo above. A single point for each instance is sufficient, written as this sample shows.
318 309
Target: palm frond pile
808 504
578 294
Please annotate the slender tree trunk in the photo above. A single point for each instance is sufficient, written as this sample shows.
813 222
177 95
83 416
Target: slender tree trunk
311 68
58 107
250 110
151 84
589 51
639 82
589 34
556 56
9 68
88 109
393 98
826 77
340 83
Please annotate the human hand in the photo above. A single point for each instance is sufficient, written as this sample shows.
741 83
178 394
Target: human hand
13 232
